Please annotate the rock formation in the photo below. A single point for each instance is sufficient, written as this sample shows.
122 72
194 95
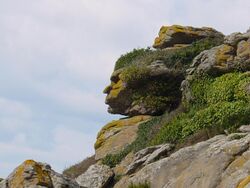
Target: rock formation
222 162
177 35
32 174
187 125
117 134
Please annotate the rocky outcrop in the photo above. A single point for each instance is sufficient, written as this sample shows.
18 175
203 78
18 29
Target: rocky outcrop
233 55
244 129
147 156
97 176
149 84
176 35
149 90
220 162
116 135
188 108
34 174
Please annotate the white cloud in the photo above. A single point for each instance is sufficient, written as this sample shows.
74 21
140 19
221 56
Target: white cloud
69 147
13 108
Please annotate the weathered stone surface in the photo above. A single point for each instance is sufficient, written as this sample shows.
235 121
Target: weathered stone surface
233 55
245 129
116 135
218 59
97 176
148 155
122 168
170 36
32 174
131 99
224 58
220 162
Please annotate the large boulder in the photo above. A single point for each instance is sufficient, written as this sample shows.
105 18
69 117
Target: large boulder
116 135
144 90
33 174
222 161
176 35
231 56
97 176
234 54
148 155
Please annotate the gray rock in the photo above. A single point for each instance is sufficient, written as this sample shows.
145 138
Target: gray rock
97 176
216 163
234 38
33 174
148 155
231 56
163 151
245 129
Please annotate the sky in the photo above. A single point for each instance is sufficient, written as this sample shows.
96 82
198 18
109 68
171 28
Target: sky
56 57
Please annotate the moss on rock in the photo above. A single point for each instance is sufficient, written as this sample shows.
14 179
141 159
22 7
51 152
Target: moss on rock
218 103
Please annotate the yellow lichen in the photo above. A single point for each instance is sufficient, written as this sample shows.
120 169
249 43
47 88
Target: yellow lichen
118 124
115 89
41 176
243 49
224 55
236 164
174 29
244 182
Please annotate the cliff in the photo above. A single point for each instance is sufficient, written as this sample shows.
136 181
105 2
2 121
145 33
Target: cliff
187 108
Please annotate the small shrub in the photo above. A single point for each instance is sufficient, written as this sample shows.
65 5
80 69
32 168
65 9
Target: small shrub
218 104
134 74
221 116
140 185
179 58
228 87
199 88
174 58
128 58
79 168
237 136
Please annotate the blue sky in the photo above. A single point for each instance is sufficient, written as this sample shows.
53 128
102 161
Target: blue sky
56 56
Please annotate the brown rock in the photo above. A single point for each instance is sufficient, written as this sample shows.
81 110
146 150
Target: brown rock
154 90
177 35
116 135
33 174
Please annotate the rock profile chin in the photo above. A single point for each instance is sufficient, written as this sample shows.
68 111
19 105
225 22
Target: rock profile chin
186 103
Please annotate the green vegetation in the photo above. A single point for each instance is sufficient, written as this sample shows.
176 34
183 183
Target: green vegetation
225 105
178 58
128 58
161 93
218 104
145 134
140 185
237 136
134 74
